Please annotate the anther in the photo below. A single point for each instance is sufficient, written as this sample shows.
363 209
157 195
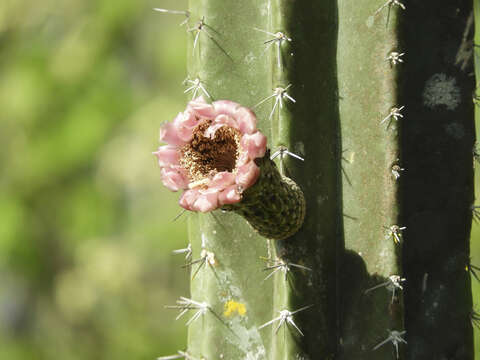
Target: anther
198 183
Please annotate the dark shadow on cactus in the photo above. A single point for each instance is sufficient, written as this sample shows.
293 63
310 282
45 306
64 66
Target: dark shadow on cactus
437 142
312 72
357 307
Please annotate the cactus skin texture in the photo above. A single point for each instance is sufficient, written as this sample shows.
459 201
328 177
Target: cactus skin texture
343 88
432 198
274 205
368 89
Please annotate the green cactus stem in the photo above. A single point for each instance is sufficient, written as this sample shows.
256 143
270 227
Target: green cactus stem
372 102
305 263
371 117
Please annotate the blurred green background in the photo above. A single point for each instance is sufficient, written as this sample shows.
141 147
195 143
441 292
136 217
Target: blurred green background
86 230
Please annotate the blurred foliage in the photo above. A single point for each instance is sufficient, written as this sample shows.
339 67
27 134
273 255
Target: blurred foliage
86 229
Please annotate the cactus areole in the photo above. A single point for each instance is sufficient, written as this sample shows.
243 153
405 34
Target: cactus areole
215 154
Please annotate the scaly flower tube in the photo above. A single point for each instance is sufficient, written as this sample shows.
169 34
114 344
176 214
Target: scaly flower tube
215 154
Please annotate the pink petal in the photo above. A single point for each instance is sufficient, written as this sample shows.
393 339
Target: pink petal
226 107
221 180
206 202
187 119
201 109
230 195
184 124
212 129
169 134
246 119
255 145
247 174
220 121
167 155
188 198
227 120
174 178
211 111
197 101
242 159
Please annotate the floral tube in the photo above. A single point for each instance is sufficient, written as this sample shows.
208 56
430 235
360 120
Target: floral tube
215 154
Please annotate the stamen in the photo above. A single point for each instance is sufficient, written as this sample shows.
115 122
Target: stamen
204 156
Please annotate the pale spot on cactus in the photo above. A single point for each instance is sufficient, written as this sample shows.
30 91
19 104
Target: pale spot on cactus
351 157
248 340
321 199
227 278
204 240
455 130
209 257
370 21
249 58
440 90
232 307
264 10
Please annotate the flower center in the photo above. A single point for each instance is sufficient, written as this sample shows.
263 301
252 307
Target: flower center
204 157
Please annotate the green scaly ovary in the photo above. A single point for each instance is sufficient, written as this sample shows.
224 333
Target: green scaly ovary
274 206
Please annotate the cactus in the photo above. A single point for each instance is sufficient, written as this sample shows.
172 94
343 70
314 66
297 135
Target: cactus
361 97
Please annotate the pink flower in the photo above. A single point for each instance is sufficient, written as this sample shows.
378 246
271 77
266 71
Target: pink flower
210 153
